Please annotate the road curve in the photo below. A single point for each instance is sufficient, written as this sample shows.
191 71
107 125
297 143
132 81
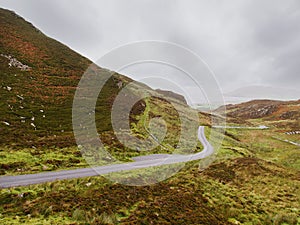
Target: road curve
140 162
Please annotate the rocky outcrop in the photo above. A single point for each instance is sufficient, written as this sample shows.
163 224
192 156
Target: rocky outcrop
254 111
290 115
16 63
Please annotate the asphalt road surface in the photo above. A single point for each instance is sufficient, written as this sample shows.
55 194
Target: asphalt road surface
140 162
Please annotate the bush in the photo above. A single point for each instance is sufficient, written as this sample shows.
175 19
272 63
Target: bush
290 219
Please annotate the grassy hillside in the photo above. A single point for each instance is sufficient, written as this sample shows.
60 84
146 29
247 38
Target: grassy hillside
38 80
282 114
240 191
43 92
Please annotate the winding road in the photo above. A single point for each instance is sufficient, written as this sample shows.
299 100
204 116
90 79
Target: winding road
140 162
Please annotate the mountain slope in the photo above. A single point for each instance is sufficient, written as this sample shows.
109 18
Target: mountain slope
38 94
279 113
38 81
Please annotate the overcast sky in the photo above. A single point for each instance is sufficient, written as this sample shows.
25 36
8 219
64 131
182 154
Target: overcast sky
245 42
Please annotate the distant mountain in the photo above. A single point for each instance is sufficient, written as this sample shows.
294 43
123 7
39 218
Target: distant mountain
172 95
266 110
264 92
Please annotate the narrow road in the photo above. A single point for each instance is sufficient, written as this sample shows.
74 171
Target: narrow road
140 162
261 127
287 141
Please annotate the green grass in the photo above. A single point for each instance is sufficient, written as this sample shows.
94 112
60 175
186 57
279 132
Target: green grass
234 187
263 144
247 190
37 160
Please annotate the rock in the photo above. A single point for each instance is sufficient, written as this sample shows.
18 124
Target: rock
120 84
6 123
14 62
20 97
45 167
21 195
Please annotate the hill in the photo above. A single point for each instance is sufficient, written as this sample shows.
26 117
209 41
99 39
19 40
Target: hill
31 99
284 114
39 77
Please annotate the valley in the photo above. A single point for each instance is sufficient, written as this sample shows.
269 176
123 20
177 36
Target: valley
236 176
